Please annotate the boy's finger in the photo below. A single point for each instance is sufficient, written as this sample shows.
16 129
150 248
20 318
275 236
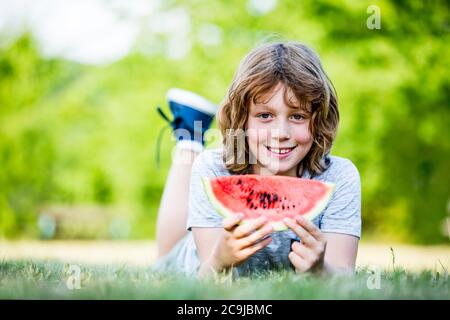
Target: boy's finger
250 226
304 235
256 247
231 222
298 262
255 236
301 250
310 227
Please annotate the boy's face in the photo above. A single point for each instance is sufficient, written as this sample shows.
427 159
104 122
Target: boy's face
278 136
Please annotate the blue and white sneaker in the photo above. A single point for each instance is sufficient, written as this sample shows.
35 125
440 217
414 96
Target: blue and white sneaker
192 116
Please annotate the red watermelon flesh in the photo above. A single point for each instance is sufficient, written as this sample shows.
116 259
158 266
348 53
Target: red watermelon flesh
275 197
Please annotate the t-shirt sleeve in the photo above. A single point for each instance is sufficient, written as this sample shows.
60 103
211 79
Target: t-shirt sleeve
343 213
201 212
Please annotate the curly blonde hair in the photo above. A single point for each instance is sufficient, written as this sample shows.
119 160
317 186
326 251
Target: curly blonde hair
299 69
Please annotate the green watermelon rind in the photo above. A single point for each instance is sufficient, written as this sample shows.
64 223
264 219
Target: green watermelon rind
278 225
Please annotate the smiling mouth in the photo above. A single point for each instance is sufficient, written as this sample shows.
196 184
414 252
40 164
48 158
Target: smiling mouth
280 151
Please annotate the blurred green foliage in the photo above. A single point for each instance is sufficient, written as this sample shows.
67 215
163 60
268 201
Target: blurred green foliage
72 134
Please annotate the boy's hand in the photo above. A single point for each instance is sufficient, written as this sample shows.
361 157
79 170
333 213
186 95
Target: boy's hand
308 255
239 242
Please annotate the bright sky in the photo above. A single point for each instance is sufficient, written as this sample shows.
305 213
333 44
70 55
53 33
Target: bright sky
103 31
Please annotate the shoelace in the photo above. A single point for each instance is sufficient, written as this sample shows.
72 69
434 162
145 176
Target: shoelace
172 123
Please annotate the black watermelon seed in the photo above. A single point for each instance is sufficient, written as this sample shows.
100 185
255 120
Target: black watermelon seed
251 192
293 206
239 181
282 206
251 205
275 197
264 206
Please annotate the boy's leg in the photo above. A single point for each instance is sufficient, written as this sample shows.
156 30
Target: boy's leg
187 109
173 210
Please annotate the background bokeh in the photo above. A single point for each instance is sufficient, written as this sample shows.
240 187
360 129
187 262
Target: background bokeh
80 82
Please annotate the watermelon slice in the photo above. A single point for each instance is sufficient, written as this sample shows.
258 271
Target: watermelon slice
275 197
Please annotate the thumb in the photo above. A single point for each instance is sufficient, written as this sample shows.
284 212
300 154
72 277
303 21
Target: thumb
231 222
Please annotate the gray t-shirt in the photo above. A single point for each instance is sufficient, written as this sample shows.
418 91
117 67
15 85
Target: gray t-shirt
342 215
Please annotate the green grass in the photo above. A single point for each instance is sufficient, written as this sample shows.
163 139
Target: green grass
47 280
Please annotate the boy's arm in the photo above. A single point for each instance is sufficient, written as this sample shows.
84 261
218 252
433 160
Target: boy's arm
340 253
205 240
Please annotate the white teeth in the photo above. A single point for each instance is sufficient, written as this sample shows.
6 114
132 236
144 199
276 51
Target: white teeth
280 151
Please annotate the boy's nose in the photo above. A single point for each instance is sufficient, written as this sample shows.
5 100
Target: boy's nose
281 132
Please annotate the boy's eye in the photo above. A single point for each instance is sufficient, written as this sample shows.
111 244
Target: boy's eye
264 115
298 116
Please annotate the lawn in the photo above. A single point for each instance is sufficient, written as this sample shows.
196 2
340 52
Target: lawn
50 279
